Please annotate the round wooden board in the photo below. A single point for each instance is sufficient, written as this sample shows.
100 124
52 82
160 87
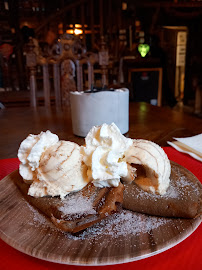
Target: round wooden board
119 239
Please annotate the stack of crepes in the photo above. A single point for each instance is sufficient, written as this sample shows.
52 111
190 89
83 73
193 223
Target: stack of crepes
77 186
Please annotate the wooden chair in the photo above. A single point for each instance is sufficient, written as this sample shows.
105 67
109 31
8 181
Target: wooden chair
66 67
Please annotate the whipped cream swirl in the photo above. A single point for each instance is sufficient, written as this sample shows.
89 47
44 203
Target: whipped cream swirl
104 155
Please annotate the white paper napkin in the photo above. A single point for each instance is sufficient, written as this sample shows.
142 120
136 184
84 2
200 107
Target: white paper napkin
189 145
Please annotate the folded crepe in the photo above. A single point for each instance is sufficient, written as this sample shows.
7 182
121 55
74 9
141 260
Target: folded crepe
182 199
78 210
82 209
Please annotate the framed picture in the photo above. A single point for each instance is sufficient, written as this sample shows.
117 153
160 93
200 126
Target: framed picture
147 84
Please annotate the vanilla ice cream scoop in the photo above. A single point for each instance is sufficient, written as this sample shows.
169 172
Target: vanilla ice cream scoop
152 166
104 154
53 167
60 171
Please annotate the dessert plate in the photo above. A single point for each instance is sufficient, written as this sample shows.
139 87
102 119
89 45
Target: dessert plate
123 237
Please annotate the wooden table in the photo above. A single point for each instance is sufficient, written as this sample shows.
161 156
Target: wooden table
154 123
146 121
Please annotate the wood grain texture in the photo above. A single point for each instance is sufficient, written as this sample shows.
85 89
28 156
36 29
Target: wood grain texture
158 124
115 240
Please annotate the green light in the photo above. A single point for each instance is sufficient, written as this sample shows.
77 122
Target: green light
143 49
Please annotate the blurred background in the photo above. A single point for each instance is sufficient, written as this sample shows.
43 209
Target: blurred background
151 47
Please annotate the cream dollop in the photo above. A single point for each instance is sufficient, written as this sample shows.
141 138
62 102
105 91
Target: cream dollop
30 152
104 154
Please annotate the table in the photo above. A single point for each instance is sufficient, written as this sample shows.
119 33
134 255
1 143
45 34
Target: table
158 124
146 121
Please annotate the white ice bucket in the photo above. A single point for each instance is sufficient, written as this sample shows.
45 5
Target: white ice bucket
90 109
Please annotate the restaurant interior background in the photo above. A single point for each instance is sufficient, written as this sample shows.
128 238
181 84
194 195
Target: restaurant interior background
142 45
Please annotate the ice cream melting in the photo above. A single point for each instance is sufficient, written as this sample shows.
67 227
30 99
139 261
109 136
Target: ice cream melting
104 154
152 166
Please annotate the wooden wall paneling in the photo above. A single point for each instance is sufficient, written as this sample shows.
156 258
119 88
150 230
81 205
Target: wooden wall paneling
56 77
92 23
101 17
33 88
83 20
46 85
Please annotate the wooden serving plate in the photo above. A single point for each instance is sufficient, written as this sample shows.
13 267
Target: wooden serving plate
124 237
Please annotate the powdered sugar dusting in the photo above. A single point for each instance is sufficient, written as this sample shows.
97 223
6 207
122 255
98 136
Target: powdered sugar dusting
77 204
38 219
184 184
123 224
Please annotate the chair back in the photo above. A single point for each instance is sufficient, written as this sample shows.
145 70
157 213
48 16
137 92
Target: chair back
62 70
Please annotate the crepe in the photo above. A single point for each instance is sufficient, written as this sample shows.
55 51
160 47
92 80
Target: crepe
78 210
182 199
82 209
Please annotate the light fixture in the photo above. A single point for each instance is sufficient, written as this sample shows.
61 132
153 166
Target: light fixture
78 25
78 31
75 29
143 49
70 31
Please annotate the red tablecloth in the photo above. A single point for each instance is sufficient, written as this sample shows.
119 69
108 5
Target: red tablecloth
186 255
